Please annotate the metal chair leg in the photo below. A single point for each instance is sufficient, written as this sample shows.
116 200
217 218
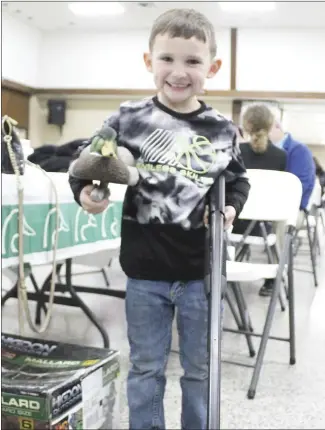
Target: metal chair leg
83 305
265 337
105 277
233 311
316 239
311 249
244 252
271 260
269 319
276 255
292 330
13 292
45 288
243 304
243 317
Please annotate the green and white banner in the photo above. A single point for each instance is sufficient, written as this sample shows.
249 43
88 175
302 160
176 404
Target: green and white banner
80 233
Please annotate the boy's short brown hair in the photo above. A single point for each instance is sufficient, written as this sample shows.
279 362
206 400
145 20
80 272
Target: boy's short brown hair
185 23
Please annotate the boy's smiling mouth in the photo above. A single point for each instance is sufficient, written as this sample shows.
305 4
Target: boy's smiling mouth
177 86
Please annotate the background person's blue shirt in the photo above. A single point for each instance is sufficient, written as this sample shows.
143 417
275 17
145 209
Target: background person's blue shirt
300 162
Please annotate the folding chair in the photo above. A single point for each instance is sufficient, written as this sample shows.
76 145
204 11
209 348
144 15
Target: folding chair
244 242
274 196
311 228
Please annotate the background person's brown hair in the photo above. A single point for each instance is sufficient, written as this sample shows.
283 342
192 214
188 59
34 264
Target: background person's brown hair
257 121
184 23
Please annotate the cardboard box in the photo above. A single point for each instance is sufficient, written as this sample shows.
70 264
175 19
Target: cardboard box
52 385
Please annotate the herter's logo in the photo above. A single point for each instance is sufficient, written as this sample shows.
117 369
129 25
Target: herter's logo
178 150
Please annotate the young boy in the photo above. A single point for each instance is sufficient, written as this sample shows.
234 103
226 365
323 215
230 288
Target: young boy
180 146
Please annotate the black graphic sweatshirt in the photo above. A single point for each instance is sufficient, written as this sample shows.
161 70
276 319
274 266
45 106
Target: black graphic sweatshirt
178 156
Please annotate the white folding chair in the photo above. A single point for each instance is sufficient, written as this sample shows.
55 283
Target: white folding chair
245 241
274 196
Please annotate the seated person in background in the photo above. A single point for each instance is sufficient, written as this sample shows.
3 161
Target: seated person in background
259 153
299 160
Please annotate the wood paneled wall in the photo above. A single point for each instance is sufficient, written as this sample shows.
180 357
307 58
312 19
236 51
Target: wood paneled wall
15 104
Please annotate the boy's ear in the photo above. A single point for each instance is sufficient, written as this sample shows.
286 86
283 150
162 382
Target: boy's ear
148 61
214 68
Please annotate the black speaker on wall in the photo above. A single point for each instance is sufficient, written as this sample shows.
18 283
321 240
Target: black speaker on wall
56 112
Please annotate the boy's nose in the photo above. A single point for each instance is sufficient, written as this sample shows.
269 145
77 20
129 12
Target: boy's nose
179 71
178 75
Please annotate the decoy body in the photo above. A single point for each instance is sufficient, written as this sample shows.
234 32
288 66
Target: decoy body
103 160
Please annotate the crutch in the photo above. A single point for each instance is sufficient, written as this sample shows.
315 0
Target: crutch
214 282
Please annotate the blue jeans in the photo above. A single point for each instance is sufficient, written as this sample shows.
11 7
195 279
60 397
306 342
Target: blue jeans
150 308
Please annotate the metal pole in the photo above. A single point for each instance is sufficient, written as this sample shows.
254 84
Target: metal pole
214 282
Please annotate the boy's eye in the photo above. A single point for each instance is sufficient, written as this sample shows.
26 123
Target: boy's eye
193 61
166 58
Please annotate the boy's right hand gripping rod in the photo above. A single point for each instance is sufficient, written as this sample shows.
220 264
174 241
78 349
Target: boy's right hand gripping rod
214 286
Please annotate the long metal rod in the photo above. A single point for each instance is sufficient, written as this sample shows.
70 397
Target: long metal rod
214 286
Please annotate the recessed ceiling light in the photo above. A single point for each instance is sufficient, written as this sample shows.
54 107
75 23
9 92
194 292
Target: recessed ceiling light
247 6
145 4
92 9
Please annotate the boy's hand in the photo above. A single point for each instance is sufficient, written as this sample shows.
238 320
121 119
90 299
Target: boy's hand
230 214
88 204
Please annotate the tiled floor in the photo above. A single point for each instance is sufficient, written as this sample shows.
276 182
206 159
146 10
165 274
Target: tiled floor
288 397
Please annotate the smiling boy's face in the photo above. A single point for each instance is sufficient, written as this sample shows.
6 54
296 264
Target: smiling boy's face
180 67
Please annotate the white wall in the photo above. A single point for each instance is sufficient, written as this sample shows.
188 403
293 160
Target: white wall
267 59
20 51
306 121
108 60
281 60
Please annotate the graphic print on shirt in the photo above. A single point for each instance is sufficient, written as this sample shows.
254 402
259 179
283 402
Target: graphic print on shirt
167 151
176 169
